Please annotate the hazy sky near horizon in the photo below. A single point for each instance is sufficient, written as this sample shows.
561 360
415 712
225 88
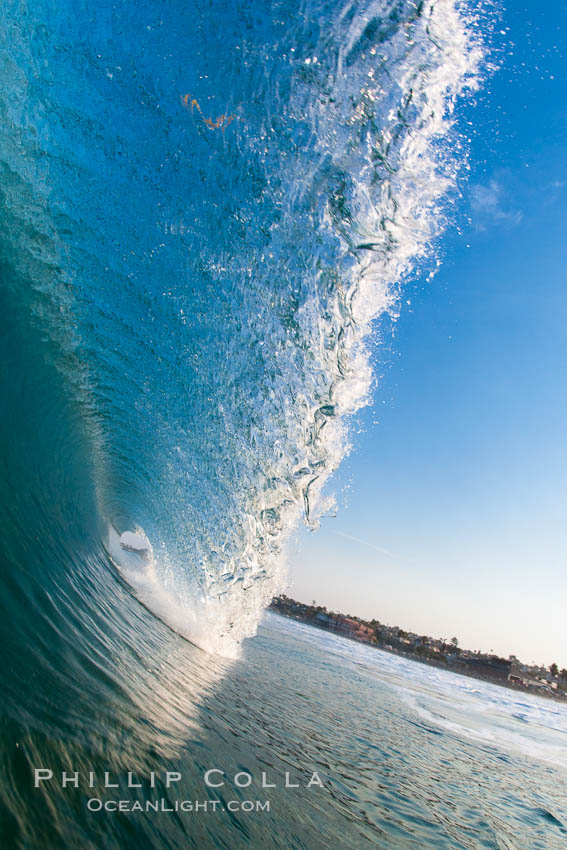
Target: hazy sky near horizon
453 500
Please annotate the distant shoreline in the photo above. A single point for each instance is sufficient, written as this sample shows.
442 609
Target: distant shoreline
508 673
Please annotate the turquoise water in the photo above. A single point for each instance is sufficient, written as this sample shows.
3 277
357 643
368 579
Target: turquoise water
207 214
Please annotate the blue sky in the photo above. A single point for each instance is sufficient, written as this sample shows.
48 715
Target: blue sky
452 506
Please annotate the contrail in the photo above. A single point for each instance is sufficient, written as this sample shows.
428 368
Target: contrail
366 543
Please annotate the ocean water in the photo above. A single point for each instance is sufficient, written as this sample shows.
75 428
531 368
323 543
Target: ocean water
206 212
407 756
202 214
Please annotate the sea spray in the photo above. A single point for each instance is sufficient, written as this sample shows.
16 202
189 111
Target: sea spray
361 204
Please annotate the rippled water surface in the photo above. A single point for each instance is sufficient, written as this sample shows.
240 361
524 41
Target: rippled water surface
408 756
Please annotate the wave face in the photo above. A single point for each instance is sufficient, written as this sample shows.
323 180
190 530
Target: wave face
201 216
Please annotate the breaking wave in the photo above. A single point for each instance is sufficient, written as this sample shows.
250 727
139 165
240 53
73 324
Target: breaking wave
199 226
